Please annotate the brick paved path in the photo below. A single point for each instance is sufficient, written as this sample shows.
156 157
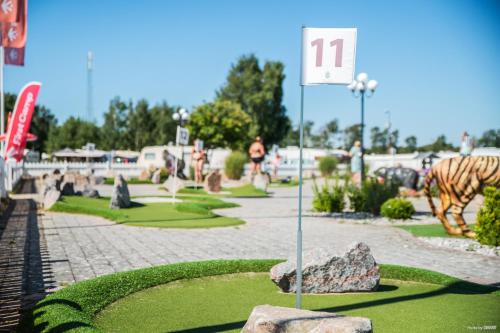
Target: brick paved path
82 247
24 267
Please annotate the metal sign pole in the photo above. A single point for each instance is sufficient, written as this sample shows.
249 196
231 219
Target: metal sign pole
176 162
298 300
298 294
2 100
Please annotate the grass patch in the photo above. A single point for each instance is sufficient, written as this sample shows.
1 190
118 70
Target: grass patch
244 191
223 304
192 190
291 183
429 230
194 212
131 181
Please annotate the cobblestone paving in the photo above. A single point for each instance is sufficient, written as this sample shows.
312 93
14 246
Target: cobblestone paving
82 247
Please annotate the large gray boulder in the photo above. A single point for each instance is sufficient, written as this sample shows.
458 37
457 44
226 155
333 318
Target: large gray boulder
326 272
261 181
275 319
156 177
51 197
120 197
172 184
213 182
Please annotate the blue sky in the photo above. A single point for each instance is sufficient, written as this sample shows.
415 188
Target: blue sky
437 62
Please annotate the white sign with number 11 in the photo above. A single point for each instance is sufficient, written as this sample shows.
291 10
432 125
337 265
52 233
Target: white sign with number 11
328 55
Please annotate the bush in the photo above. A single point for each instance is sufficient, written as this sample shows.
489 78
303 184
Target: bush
329 198
356 198
327 165
370 197
434 190
397 208
488 218
163 174
234 165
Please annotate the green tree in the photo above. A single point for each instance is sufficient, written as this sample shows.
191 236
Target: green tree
439 144
221 124
379 140
115 126
293 136
324 138
411 144
490 138
351 134
382 139
42 123
165 127
74 133
260 94
140 126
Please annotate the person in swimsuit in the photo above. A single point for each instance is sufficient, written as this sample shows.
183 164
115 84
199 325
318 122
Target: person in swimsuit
257 154
198 159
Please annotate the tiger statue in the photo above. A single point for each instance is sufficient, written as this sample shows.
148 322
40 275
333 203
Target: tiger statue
459 179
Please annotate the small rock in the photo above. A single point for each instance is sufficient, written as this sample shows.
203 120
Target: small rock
145 175
120 197
261 181
275 319
155 179
171 185
68 188
213 181
326 272
90 193
50 198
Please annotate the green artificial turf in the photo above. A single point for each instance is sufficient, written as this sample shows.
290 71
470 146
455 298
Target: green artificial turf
192 190
223 304
131 181
244 191
291 183
74 307
429 230
193 212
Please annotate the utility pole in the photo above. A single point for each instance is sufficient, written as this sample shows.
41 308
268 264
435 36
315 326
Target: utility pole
90 65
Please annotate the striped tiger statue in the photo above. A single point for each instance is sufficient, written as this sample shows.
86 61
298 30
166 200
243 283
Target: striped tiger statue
459 179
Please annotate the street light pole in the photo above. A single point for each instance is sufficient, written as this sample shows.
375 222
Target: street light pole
359 88
362 136
181 115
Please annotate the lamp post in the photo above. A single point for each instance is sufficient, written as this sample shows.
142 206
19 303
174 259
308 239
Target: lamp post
181 116
388 126
359 88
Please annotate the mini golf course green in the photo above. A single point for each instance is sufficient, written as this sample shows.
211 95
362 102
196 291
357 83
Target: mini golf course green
244 191
193 212
429 230
218 296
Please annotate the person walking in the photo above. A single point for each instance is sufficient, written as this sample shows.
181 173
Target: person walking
467 145
355 154
198 160
257 153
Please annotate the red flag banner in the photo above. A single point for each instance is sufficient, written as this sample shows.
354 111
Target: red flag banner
14 33
17 133
8 10
14 56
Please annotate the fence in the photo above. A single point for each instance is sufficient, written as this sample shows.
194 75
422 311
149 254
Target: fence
13 173
101 169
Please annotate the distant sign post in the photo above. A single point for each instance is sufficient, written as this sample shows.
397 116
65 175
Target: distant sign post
182 139
328 57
